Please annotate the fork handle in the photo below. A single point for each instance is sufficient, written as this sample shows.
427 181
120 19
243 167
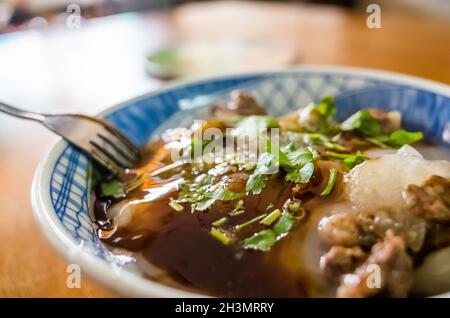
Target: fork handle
16 112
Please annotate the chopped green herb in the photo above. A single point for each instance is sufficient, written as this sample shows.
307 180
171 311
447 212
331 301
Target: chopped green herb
313 139
278 157
113 188
334 146
203 205
249 166
402 137
261 241
237 212
326 107
197 146
296 156
284 224
330 184
363 122
239 204
397 138
272 217
204 191
175 205
255 122
265 239
221 236
254 220
256 182
238 209
349 161
298 163
269 207
220 221
378 141
224 194
318 117
258 179
303 175
252 125
294 207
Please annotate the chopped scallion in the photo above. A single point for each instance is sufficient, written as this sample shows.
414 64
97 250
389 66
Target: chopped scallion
237 212
221 236
175 205
331 182
258 218
294 207
220 222
272 217
349 160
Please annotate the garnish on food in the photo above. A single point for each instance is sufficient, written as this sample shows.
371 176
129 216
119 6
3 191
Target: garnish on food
248 204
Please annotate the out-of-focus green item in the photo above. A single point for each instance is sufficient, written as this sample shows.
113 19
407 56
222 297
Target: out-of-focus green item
205 58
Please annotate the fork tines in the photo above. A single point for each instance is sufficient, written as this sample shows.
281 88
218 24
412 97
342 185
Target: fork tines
114 151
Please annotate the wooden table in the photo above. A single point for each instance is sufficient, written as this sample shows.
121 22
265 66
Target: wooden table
103 63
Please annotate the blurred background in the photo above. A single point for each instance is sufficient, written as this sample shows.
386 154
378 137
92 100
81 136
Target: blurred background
85 55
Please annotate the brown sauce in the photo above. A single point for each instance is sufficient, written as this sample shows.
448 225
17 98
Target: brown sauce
180 243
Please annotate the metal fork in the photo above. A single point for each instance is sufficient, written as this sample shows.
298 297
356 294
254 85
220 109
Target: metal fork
95 137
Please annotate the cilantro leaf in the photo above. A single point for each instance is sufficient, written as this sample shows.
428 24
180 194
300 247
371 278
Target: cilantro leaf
402 137
256 182
318 117
113 188
203 205
204 191
222 194
258 179
296 161
284 224
302 175
265 239
326 107
256 121
363 122
251 125
261 241
296 156
299 164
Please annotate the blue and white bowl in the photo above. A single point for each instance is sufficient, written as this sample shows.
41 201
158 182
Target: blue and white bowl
61 195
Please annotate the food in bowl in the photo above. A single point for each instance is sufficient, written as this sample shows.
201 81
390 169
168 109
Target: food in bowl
242 204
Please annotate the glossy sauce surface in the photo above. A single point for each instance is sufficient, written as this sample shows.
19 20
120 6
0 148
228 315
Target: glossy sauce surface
181 245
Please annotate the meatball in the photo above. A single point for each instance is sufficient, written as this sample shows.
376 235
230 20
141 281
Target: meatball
431 200
395 271
340 229
241 104
340 260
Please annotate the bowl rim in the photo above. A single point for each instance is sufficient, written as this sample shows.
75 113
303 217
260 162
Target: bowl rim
125 282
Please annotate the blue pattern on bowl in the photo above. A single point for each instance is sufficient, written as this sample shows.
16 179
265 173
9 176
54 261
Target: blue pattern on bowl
281 92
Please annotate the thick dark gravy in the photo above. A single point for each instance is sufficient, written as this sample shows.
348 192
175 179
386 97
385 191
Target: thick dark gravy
180 243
